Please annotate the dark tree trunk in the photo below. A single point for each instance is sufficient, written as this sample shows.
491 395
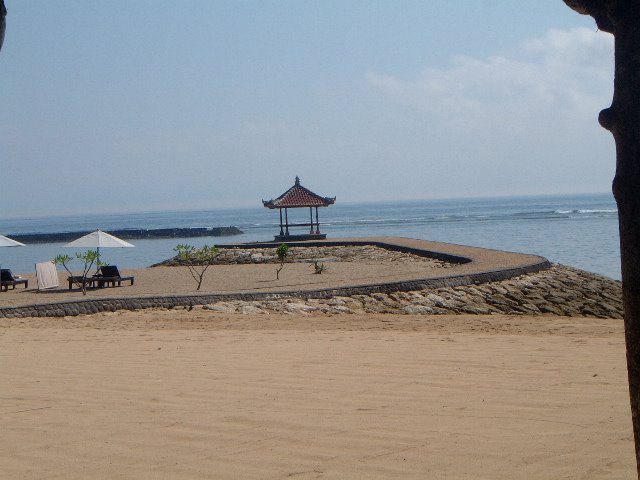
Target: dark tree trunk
3 22
622 119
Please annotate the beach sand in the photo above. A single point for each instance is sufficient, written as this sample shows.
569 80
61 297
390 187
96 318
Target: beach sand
222 279
200 394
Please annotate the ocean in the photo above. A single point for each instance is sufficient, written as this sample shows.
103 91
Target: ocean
576 230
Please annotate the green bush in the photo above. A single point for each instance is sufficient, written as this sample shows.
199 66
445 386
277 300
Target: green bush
283 253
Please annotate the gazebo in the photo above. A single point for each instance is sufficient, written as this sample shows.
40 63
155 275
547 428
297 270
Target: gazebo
299 197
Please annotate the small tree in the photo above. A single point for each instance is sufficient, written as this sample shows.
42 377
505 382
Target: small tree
197 260
283 253
90 258
318 267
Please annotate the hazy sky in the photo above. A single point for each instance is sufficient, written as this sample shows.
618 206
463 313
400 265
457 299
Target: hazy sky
148 104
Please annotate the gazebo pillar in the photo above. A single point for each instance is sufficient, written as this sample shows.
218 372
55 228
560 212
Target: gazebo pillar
311 220
286 219
281 230
317 223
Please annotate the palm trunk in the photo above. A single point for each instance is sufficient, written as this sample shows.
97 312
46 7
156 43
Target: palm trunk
3 22
622 119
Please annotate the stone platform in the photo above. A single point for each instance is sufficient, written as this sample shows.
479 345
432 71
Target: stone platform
466 266
299 238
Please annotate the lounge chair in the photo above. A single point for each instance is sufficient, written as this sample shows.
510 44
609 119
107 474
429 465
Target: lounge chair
83 281
8 280
109 274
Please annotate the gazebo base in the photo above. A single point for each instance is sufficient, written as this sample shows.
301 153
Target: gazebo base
300 238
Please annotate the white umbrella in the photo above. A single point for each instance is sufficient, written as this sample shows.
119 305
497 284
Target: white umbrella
97 240
8 242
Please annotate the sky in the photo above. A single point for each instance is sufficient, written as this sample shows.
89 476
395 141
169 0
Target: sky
145 105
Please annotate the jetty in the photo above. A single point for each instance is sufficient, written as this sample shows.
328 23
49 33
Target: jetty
132 234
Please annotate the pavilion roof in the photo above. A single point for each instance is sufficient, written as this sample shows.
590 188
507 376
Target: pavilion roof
299 196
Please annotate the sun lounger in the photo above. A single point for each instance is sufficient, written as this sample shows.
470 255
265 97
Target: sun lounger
47 275
8 280
109 274
83 281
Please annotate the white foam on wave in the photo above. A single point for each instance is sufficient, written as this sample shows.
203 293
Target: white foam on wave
604 210
584 211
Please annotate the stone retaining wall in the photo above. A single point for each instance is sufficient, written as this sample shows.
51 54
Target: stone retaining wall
252 253
392 246
559 290
488 273
83 307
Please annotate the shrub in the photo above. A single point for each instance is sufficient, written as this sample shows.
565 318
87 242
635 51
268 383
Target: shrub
197 260
318 267
90 258
283 253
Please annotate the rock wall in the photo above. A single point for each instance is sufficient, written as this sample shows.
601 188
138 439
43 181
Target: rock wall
328 254
559 290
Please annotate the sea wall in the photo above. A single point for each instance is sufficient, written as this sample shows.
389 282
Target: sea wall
558 290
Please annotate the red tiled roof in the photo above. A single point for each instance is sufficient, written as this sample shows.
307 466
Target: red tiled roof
299 196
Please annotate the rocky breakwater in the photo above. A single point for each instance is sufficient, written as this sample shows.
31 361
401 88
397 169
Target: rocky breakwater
559 290
131 234
346 253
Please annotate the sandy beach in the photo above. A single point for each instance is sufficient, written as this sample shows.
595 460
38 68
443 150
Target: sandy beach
199 394
220 279
415 219
368 386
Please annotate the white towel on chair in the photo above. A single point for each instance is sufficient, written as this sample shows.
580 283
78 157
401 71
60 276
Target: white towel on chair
47 275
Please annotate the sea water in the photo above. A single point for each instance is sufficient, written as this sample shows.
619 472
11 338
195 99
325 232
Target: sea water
575 230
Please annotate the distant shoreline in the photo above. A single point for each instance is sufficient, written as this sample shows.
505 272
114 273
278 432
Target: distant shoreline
131 234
